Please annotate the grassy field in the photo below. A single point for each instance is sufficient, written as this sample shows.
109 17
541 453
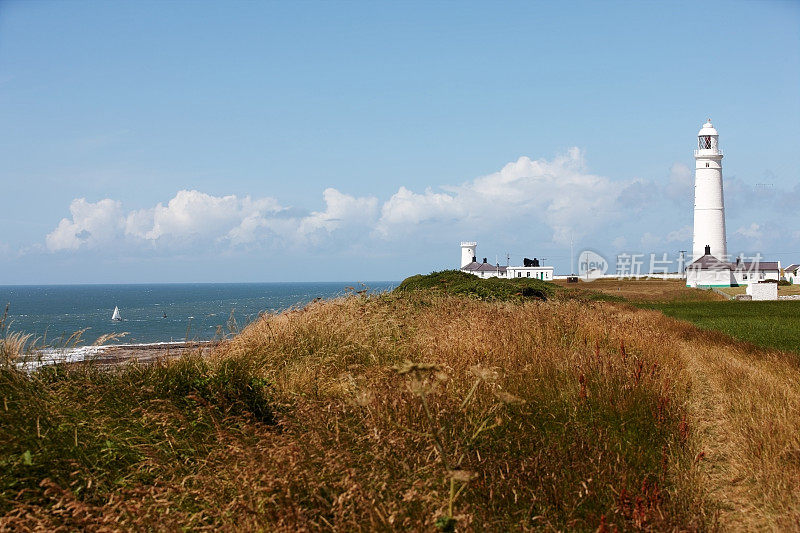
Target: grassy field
768 324
644 290
442 406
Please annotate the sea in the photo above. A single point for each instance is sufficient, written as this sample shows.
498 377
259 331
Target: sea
155 313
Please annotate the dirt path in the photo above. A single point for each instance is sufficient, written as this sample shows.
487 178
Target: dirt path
746 408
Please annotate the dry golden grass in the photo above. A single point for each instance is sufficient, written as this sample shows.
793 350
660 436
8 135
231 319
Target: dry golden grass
747 407
418 411
645 290
13 345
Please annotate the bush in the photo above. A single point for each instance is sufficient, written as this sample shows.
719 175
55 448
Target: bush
492 289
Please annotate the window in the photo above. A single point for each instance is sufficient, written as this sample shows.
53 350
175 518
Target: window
529 274
519 274
708 165
704 143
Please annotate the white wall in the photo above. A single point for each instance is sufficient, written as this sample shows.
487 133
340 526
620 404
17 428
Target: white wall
543 273
763 291
709 210
708 278
739 276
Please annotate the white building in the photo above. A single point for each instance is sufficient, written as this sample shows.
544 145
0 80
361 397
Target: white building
470 265
709 246
544 273
792 274
708 271
485 270
468 253
709 204
747 273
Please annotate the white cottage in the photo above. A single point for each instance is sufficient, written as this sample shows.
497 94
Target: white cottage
544 273
708 271
746 273
484 270
791 274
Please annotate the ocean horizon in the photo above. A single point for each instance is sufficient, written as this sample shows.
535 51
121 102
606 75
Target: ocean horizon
66 316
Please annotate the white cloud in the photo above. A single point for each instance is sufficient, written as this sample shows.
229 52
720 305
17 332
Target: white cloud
407 208
197 218
540 202
557 194
193 215
340 210
92 224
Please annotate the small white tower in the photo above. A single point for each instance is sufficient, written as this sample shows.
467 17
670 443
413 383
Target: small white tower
467 253
709 205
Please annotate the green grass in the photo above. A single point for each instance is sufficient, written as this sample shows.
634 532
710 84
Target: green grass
96 430
767 324
460 283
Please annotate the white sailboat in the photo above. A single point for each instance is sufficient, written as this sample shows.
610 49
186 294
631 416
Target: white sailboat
116 316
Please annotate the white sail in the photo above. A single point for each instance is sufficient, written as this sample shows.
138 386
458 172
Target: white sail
116 316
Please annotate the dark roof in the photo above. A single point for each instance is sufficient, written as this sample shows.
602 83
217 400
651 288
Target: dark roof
483 267
708 262
759 266
792 268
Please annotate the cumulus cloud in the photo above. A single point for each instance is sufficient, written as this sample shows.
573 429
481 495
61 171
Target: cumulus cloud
558 194
558 199
407 208
193 217
554 200
340 210
91 225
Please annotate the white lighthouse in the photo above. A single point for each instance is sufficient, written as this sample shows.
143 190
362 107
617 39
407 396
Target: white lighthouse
709 205
468 253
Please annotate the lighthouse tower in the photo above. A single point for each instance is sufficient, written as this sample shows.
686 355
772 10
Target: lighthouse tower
467 253
709 206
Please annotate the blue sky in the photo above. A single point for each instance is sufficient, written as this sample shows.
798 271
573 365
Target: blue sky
232 141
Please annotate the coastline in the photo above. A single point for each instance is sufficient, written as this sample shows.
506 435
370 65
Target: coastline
114 354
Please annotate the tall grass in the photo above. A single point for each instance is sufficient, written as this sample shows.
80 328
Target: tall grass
403 411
